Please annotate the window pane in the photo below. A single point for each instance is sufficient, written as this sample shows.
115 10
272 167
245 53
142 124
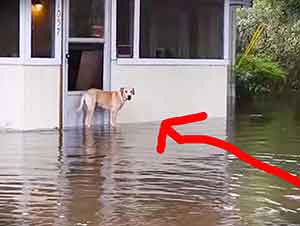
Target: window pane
125 15
182 29
85 66
9 23
43 29
87 18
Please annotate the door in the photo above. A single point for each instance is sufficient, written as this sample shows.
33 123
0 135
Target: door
85 63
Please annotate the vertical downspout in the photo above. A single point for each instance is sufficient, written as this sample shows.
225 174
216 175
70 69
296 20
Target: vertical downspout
230 117
232 50
231 93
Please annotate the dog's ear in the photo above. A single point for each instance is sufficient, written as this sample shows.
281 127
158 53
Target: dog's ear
133 91
122 90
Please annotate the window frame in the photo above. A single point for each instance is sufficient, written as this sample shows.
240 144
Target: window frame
20 58
136 60
130 28
25 38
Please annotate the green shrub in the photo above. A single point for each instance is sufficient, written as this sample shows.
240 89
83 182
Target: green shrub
258 76
280 39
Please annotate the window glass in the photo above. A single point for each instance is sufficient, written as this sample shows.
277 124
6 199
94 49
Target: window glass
87 18
43 29
10 26
182 29
125 23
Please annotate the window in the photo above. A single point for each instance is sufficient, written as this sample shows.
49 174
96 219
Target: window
31 32
190 29
10 26
43 30
125 22
87 18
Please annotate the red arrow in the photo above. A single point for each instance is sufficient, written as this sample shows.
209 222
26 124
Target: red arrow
166 129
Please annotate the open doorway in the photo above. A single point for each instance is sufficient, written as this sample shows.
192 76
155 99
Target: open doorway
85 66
85 53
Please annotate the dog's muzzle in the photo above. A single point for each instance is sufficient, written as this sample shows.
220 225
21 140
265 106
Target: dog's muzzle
129 98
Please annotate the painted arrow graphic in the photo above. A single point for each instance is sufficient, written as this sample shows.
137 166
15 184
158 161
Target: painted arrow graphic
166 129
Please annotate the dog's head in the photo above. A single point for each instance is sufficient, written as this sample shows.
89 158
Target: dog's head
127 93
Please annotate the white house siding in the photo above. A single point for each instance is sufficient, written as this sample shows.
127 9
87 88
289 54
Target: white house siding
29 97
41 97
171 90
11 96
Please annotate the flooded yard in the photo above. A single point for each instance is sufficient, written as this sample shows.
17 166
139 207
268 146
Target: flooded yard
106 177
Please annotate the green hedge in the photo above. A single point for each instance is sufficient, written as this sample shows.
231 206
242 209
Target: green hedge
258 76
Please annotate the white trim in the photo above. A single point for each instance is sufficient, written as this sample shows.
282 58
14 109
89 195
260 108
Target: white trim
86 40
75 93
106 78
27 31
56 60
113 29
65 50
58 30
226 32
66 37
11 61
22 32
136 29
43 61
28 22
161 61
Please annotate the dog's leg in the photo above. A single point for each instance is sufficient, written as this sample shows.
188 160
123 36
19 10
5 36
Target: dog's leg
91 115
112 118
115 118
91 105
88 120
81 102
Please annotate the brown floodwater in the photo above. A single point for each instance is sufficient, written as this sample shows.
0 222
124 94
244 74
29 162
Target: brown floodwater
100 176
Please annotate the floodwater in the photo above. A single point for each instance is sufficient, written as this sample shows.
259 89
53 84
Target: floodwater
103 177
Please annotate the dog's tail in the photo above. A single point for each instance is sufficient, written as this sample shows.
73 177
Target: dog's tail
81 103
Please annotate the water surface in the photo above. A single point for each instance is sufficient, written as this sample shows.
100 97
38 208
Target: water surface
109 177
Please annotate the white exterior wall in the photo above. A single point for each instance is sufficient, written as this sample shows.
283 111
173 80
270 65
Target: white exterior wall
29 96
11 97
41 97
171 90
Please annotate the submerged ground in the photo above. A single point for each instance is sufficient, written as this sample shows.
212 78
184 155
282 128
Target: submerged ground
115 177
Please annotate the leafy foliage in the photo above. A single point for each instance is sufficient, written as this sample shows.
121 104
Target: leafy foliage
290 7
258 75
281 38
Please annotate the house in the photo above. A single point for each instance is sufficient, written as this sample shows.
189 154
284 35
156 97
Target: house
175 53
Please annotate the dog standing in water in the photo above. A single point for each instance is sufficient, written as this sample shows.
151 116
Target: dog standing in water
108 100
